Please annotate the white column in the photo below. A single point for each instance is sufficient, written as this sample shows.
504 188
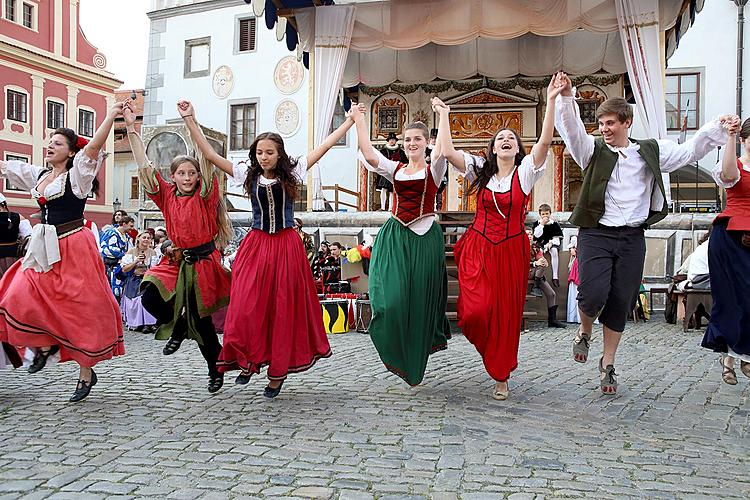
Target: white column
37 119
109 170
73 29
72 120
58 34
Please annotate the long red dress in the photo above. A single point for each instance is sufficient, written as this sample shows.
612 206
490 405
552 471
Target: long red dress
191 221
493 267
274 318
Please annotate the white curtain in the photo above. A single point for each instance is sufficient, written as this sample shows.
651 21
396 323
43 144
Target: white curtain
638 22
333 32
576 53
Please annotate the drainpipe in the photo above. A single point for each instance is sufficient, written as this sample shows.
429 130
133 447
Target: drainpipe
740 48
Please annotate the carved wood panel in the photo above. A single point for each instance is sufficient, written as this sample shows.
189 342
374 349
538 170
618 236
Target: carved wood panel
483 124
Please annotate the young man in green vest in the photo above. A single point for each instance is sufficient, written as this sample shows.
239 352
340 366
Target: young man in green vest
622 194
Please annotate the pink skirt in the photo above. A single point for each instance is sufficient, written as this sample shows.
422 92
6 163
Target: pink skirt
70 306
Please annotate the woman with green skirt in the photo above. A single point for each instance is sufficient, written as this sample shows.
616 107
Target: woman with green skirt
408 282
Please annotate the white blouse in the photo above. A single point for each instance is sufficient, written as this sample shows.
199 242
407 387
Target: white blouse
387 168
528 173
240 169
129 258
27 176
716 173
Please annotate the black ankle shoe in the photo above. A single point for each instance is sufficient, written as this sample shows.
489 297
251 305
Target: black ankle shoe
242 379
215 382
172 346
40 359
270 392
83 388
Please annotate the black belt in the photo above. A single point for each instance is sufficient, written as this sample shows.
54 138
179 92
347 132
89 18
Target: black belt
67 227
195 254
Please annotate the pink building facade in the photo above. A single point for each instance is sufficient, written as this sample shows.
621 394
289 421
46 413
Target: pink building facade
51 77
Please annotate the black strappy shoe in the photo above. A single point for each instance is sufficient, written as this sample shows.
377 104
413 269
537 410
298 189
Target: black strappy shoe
242 378
83 388
173 344
40 358
270 392
215 382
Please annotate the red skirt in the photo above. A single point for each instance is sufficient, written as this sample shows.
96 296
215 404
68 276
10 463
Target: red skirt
71 305
492 281
274 317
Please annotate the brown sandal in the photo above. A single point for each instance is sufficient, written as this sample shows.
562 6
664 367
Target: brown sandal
745 368
728 375
609 382
581 347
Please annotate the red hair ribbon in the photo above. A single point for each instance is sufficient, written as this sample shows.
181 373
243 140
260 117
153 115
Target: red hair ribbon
81 143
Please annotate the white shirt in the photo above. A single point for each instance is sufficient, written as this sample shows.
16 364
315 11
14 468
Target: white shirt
631 189
81 175
387 168
528 173
716 173
698 261
239 172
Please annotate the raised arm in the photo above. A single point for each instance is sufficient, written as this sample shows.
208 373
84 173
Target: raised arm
316 154
569 124
356 113
146 173
710 136
541 148
102 133
444 141
187 112
728 173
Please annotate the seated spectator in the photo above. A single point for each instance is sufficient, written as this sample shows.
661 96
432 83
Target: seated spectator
115 242
134 265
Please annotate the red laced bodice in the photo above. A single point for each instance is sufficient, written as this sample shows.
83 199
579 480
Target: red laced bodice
500 216
738 203
415 198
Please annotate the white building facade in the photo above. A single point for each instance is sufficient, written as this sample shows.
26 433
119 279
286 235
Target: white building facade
241 80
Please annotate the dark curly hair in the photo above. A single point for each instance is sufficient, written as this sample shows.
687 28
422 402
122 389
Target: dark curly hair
490 165
72 139
284 165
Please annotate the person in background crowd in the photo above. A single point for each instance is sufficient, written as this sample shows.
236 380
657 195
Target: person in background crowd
307 240
115 242
134 265
322 260
444 182
548 234
393 152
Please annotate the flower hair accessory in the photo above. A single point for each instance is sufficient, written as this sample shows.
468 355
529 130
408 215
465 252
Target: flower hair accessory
81 142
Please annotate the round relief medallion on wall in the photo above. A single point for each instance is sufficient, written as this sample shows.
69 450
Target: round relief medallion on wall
288 75
287 117
223 81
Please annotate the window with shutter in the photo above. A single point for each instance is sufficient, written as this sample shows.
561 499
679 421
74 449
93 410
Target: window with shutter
246 35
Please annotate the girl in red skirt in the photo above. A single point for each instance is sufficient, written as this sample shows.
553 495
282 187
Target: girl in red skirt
61 279
493 254
274 317
190 277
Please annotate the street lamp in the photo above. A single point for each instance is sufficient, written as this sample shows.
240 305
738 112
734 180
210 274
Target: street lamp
116 204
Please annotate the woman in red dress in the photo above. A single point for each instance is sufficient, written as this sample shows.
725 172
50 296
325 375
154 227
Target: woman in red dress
493 254
274 317
61 279
191 276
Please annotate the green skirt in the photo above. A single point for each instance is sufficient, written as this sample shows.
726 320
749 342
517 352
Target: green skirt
408 295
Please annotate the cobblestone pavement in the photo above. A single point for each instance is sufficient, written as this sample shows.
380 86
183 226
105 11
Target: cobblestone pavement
349 430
